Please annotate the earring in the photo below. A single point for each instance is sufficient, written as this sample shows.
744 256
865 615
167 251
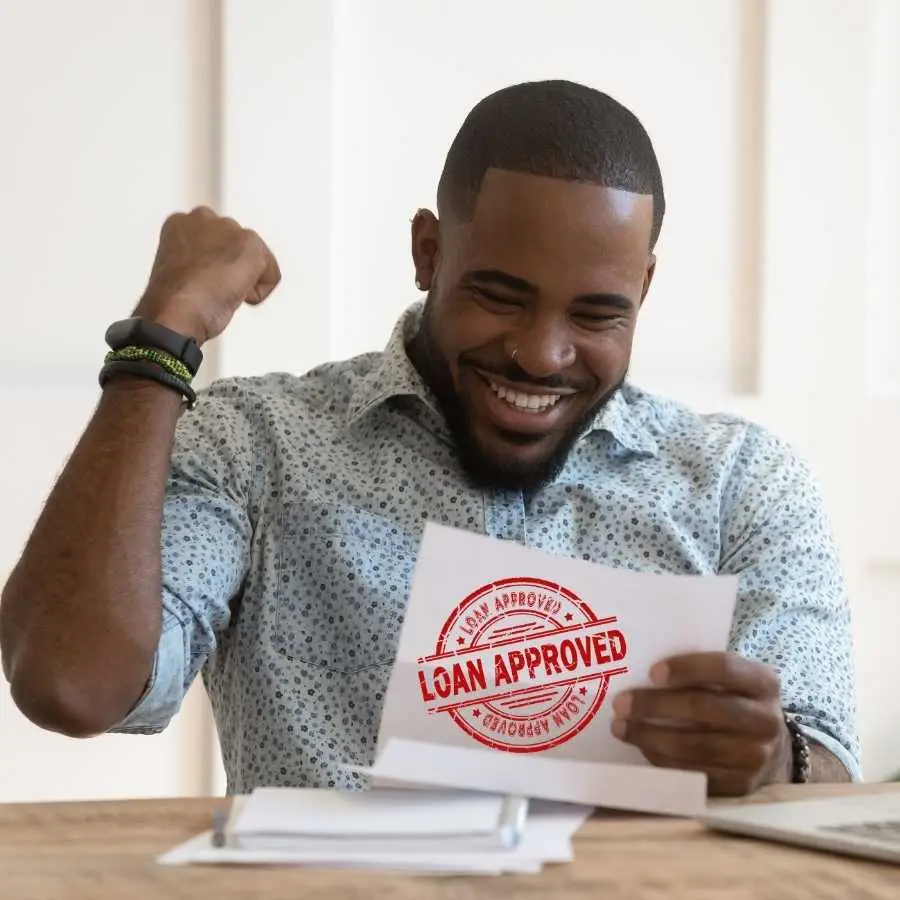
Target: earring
419 284
514 354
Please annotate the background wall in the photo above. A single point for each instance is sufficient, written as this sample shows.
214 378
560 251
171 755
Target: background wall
323 125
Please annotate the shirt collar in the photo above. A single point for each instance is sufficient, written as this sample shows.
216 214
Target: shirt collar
625 423
394 375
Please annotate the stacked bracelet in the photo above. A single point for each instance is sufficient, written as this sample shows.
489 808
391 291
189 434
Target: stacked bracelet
153 364
171 364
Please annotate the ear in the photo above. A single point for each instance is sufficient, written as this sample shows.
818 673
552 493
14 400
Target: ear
425 247
648 276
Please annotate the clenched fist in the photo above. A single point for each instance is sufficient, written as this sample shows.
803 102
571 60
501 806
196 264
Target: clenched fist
206 266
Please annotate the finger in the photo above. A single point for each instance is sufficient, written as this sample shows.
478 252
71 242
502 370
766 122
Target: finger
720 782
726 671
680 747
701 709
271 273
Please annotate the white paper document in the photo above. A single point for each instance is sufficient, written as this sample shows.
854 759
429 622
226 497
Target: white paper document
292 816
514 655
310 820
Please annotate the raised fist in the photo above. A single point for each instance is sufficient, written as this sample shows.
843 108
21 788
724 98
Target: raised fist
206 266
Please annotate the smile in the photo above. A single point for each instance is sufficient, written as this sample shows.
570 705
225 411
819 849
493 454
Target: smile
521 408
529 403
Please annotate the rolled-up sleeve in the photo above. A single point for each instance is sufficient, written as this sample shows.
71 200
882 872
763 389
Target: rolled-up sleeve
793 612
205 548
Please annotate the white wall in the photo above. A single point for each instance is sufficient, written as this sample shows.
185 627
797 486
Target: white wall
107 128
324 125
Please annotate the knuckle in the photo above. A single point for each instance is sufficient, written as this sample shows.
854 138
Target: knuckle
758 756
172 221
731 666
252 241
697 705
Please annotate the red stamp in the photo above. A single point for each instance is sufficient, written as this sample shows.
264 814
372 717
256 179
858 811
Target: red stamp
522 665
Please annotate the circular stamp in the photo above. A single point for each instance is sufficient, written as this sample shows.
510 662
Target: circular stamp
522 665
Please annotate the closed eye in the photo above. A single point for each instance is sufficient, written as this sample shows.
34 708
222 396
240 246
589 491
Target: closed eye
595 320
496 299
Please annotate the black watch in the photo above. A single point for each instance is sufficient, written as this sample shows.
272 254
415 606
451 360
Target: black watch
137 332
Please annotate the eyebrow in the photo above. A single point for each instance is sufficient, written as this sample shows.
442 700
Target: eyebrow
499 278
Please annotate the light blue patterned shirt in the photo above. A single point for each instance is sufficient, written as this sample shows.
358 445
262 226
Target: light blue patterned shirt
296 504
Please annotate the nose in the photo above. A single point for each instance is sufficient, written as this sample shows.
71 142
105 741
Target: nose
543 349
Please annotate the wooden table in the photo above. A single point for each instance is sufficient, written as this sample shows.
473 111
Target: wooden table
94 851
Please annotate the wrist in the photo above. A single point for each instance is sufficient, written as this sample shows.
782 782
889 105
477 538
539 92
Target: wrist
143 389
180 324
174 314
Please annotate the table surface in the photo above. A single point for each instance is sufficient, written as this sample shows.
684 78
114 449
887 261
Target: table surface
108 850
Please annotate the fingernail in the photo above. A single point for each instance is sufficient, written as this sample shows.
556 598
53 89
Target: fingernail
622 705
659 674
618 728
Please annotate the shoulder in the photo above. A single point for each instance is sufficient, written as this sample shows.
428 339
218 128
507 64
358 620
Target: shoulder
325 389
233 415
743 450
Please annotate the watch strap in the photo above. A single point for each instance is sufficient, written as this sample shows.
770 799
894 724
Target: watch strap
138 332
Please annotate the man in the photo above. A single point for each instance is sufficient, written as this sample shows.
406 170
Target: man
289 509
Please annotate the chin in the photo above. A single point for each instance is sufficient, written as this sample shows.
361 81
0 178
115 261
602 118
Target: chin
517 464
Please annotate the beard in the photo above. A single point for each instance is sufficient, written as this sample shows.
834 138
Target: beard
487 469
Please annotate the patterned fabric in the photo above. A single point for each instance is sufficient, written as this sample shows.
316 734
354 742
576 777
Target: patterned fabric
296 504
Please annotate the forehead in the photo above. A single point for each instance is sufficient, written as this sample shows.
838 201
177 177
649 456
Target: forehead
535 221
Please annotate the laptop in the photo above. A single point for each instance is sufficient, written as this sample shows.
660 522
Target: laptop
866 826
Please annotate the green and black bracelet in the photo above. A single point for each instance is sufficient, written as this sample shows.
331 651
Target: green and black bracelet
146 368
171 364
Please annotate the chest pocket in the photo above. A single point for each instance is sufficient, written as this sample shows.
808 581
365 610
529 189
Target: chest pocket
343 581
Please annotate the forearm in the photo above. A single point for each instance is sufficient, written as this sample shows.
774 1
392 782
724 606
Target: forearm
80 616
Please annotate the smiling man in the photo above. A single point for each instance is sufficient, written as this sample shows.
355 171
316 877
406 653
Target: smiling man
288 509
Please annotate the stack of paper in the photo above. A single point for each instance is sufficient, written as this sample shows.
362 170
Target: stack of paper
448 832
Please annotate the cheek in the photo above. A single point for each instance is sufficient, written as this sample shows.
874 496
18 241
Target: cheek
461 325
608 355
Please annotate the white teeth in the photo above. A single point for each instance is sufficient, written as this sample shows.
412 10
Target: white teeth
526 402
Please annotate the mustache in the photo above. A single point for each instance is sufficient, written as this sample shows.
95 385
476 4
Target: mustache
515 374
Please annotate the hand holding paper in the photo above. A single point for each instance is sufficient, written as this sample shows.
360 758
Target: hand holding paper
713 712
512 660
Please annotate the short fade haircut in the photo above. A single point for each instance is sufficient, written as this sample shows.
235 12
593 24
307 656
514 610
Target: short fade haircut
559 129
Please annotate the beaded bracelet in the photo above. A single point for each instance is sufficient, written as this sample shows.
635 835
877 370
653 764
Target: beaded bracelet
800 751
171 364
144 368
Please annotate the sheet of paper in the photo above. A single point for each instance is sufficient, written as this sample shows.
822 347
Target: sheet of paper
520 652
199 851
378 813
611 785
547 838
